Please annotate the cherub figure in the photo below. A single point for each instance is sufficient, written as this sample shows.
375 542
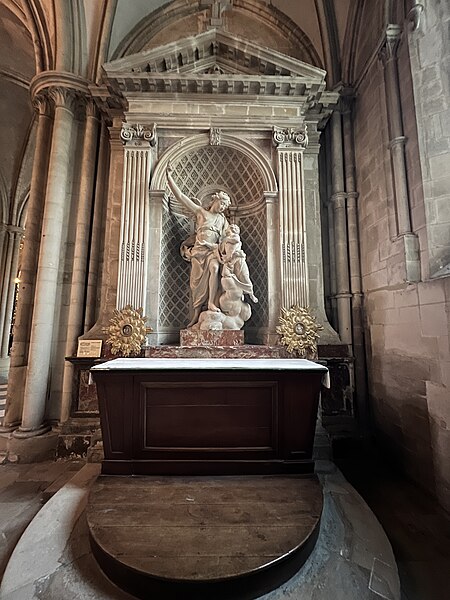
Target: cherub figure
233 259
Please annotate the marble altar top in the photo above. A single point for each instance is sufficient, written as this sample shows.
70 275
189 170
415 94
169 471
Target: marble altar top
248 364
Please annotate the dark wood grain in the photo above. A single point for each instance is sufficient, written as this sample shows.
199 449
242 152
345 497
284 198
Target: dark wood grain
208 422
202 530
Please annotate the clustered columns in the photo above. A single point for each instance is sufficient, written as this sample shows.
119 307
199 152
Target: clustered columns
14 238
389 56
28 262
290 144
75 320
338 200
354 258
134 228
49 207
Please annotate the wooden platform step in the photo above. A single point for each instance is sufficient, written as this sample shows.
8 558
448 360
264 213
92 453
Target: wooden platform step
203 537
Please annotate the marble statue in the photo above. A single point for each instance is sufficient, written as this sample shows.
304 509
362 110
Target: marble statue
219 273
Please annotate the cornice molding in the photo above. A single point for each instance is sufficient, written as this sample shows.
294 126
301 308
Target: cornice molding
59 79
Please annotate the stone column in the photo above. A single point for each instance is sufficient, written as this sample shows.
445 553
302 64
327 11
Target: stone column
273 265
134 226
48 266
290 144
338 198
389 55
355 265
29 259
9 290
2 241
98 220
156 200
4 288
80 257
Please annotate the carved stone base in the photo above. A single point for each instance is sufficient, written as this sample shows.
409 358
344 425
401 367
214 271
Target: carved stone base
193 338
244 351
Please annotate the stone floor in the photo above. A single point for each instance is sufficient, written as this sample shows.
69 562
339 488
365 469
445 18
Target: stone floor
352 559
351 570
418 529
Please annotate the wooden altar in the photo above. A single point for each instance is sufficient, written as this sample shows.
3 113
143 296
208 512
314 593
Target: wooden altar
206 416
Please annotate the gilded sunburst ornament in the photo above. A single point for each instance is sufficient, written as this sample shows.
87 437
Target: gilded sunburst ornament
126 331
298 331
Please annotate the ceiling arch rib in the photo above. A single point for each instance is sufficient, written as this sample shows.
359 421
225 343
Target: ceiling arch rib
38 23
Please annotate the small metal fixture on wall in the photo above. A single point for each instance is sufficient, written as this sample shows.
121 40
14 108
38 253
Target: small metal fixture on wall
127 331
299 332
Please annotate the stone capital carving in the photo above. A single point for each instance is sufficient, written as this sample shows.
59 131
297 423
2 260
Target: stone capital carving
137 134
214 136
42 105
91 107
389 48
290 137
64 97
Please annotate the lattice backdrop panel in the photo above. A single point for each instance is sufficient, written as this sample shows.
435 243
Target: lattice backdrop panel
215 167
174 299
254 244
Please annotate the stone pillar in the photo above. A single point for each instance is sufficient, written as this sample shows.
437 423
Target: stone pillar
290 144
156 198
338 198
134 226
48 266
389 55
98 220
355 266
4 287
273 265
80 257
9 289
28 264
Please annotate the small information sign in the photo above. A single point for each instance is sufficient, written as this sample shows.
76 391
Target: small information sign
89 348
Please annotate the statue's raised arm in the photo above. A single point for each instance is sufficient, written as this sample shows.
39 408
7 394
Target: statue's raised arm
182 198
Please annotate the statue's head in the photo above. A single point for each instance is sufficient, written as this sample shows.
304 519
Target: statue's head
220 201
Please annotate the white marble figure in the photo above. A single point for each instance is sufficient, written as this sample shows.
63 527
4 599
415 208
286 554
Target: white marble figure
219 272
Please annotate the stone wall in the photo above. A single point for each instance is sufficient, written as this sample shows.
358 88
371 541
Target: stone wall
407 325
430 65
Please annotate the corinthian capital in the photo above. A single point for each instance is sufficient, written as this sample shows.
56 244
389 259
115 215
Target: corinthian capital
289 137
64 97
388 50
137 134
41 104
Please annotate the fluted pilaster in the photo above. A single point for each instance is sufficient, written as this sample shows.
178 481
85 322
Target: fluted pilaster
134 228
290 145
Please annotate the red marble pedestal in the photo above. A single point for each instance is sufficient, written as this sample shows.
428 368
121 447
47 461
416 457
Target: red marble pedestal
195 338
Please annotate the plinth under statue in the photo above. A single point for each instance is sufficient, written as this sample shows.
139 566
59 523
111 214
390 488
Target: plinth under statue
219 277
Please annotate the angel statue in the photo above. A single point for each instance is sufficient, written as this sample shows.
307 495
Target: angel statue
203 251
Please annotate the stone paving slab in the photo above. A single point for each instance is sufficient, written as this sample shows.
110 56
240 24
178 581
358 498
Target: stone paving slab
352 560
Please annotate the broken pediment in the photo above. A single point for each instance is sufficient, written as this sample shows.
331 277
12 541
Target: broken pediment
216 62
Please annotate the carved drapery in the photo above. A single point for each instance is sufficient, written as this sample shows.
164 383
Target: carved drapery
199 173
290 145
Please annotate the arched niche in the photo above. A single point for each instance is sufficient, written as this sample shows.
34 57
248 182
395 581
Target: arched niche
239 168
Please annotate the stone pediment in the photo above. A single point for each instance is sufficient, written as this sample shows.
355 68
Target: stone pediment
216 62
